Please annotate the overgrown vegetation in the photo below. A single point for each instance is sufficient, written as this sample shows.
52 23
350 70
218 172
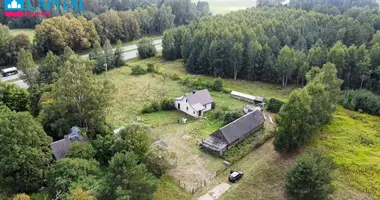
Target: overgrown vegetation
361 100
164 104
274 105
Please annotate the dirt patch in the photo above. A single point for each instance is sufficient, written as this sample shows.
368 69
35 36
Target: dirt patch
216 192
193 165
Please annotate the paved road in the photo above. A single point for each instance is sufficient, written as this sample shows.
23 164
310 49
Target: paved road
157 43
130 52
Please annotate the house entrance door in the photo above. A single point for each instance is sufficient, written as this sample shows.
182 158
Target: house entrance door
179 106
199 113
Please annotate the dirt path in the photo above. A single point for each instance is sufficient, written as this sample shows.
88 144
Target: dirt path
216 192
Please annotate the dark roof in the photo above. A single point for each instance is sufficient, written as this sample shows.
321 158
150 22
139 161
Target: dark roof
214 143
59 148
202 96
241 126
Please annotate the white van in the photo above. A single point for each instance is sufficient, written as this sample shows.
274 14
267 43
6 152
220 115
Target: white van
9 71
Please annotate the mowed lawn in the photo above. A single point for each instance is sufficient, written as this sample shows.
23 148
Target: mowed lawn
28 31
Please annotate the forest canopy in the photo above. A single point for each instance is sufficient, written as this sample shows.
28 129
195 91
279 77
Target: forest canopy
280 45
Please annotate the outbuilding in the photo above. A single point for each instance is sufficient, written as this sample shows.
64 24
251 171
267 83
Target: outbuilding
233 133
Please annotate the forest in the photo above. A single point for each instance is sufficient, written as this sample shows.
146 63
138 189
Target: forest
279 45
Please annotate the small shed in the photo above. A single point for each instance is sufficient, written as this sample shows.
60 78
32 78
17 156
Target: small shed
247 97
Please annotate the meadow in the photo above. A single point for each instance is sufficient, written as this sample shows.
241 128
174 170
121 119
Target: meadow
226 6
351 139
133 92
28 31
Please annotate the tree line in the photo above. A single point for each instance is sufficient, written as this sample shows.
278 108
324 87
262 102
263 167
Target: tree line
279 45
184 10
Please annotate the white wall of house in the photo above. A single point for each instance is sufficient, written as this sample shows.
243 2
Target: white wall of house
185 107
208 107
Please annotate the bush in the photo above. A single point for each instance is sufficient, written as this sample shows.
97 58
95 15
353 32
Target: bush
175 77
159 160
167 104
361 100
309 178
151 68
138 70
82 150
21 197
217 84
231 116
152 107
274 105
146 48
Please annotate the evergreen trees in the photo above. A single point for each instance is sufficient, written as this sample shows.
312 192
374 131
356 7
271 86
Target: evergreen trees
309 178
278 45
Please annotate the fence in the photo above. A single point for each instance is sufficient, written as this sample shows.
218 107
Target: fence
193 188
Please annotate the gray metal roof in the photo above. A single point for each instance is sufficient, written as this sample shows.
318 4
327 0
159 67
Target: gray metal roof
214 143
59 148
242 126
202 96
198 107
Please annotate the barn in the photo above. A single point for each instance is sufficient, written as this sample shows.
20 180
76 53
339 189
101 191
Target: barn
233 133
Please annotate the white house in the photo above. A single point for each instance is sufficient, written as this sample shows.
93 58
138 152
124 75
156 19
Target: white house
195 103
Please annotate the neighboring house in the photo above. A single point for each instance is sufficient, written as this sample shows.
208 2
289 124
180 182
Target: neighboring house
195 103
59 148
233 133
249 98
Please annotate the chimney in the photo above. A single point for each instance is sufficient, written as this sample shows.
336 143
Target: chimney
193 91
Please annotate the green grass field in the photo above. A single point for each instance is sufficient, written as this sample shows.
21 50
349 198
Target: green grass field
226 6
352 139
27 31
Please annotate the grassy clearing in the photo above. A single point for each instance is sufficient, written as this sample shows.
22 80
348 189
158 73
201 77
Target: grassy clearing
226 6
28 31
133 92
352 139
168 190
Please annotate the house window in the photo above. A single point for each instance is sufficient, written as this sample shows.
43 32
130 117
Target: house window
194 112
186 100
187 108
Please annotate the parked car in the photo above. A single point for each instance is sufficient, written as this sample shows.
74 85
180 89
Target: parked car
235 176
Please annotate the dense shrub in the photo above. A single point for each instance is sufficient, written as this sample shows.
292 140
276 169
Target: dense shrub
138 70
274 105
167 104
198 84
361 100
151 68
217 84
82 150
152 107
146 48
309 178
225 115
231 116
175 77
164 104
